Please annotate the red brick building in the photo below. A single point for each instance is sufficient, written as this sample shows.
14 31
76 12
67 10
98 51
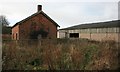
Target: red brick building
38 24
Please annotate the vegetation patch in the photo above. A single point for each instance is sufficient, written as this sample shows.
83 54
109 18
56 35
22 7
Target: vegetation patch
59 54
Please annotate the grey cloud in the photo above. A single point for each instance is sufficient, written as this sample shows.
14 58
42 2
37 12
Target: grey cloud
64 13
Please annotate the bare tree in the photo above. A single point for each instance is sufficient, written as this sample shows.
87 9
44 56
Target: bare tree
4 25
3 20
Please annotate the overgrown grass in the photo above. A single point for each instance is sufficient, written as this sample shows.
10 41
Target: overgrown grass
59 54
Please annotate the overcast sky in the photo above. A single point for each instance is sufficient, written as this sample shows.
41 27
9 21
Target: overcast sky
65 12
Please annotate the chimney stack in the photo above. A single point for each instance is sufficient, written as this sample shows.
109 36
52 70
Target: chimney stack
39 8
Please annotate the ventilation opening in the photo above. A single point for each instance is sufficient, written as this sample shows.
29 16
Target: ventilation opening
74 35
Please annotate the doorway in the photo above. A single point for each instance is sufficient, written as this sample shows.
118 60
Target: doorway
74 35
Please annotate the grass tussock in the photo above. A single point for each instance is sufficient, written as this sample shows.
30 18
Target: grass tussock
59 54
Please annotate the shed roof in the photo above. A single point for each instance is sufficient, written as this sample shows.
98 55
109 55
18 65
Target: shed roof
39 12
115 23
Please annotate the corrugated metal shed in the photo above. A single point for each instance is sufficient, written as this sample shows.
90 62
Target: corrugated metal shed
115 23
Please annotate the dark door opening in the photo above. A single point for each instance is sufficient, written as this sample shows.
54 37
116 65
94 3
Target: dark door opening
74 35
16 36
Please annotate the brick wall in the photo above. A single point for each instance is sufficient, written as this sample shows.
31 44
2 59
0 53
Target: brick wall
40 21
15 32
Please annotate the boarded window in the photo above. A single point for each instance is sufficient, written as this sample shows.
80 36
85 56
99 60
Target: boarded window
74 35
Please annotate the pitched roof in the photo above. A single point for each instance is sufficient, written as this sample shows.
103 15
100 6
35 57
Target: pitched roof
40 12
115 23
